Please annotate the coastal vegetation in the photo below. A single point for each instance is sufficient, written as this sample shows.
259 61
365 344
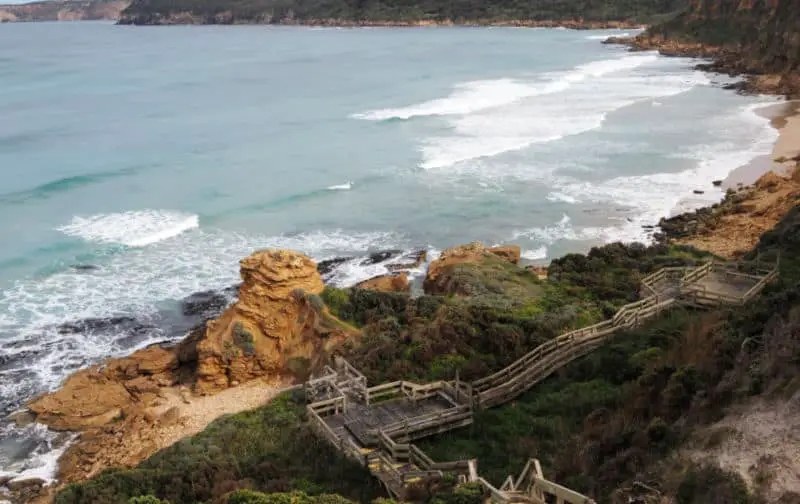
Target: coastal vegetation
598 424
395 11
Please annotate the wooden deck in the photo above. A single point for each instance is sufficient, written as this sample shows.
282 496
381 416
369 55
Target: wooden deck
375 425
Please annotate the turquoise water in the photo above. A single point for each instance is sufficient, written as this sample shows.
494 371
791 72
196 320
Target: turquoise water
157 157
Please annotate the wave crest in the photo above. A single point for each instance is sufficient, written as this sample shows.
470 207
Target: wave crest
132 229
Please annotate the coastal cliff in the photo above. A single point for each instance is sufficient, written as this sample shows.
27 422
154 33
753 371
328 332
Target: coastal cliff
68 10
579 14
754 37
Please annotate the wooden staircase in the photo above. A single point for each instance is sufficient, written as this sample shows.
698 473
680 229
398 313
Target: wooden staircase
375 425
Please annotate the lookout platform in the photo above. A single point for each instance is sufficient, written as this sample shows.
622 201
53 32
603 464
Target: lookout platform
376 425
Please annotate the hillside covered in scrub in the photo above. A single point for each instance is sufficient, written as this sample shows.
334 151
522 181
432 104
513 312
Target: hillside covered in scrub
639 409
763 34
584 13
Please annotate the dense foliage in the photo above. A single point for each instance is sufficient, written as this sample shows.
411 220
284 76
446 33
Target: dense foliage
763 33
612 416
464 11
509 312
597 424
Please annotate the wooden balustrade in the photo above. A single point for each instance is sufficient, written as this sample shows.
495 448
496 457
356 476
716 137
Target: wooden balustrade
497 388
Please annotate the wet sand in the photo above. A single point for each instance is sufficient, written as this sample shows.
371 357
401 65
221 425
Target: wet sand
785 117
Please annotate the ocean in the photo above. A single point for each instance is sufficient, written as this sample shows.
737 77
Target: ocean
140 164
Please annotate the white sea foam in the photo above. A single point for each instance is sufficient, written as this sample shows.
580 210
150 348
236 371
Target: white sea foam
43 461
341 187
134 229
607 35
557 196
562 230
650 197
466 98
535 254
576 102
475 96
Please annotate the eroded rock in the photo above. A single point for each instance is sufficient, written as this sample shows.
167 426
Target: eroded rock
394 282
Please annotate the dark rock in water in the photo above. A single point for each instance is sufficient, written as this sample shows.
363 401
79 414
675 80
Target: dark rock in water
128 332
379 257
648 226
85 267
204 303
99 324
327 266
411 260
717 183
734 86
698 191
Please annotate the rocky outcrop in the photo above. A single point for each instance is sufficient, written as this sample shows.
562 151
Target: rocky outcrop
734 225
755 38
438 279
394 282
278 317
128 408
106 392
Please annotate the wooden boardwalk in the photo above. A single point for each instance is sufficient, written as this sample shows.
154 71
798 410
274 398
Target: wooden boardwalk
376 425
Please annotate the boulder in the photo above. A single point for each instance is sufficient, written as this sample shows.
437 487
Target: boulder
395 282
278 316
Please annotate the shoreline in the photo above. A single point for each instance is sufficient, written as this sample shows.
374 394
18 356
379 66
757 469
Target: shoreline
785 119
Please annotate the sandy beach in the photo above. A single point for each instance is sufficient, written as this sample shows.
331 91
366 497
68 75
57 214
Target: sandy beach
785 117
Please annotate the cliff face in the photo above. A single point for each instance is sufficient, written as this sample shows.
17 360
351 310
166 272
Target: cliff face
70 10
762 35
571 13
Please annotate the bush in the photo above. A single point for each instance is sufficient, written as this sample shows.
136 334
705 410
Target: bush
146 499
712 485
316 302
270 449
251 497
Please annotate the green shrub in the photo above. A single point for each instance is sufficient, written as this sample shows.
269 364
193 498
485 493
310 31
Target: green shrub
251 497
316 302
146 499
270 449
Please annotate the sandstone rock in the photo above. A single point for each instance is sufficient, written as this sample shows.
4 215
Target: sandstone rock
103 393
395 282
276 318
510 253
22 417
